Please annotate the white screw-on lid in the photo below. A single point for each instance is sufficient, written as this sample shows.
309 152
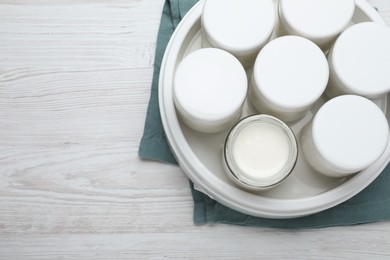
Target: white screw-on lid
238 26
316 19
291 73
350 132
361 59
210 85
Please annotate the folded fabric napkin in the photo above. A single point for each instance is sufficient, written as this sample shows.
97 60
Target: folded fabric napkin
372 204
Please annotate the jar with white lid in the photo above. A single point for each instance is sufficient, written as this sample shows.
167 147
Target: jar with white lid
347 135
360 61
320 21
290 74
210 87
241 27
260 152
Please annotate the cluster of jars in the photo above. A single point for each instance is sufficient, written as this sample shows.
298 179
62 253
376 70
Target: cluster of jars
282 58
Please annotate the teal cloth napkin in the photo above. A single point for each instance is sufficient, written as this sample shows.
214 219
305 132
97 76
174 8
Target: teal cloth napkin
372 204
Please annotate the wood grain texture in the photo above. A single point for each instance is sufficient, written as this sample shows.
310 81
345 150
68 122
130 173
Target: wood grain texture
74 85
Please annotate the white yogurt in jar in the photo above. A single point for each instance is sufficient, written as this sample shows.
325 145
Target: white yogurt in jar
260 152
261 149
210 87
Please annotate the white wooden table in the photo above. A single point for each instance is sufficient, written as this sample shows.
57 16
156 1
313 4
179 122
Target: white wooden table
74 85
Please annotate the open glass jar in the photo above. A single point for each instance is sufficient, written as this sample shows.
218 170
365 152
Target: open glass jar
260 152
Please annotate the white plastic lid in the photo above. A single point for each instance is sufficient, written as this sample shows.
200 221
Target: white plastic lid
361 59
209 85
238 25
291 72
316 19
350 133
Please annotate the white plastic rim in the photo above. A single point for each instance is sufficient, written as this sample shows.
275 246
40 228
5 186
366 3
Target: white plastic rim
223 192
360 61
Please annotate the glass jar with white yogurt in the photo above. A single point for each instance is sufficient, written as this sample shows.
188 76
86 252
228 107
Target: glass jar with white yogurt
260 152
